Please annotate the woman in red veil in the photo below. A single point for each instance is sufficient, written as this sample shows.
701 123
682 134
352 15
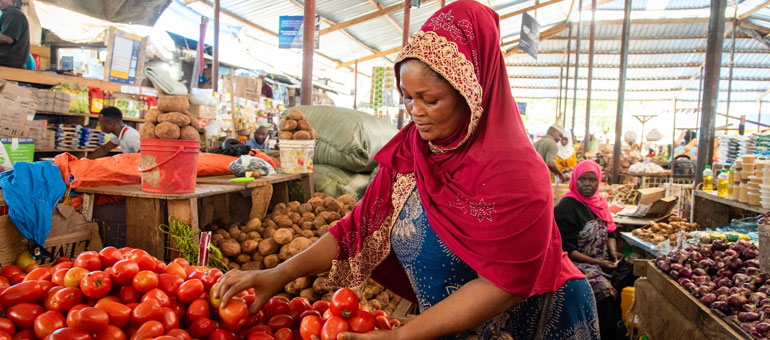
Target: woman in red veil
459 219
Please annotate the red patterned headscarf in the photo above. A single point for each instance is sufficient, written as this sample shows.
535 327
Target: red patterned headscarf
486 192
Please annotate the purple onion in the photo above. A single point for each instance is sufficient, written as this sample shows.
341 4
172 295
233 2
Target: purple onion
733 263
737 300
708 299
763 327
751 263
699 272
723 290
748 316
721 306
685 272
755 298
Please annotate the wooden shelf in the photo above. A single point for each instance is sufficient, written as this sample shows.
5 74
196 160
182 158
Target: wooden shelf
730 202
61 114
126 119
49 78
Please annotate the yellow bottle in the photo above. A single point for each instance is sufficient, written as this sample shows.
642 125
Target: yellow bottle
708 179
730 181
722 183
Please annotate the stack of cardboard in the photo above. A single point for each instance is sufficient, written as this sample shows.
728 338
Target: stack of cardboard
43 136
203 111
17 108
52 101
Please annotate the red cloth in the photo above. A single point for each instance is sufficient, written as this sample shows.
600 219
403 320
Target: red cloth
488 194
597 203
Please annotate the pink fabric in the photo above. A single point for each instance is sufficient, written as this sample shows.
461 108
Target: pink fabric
490 201
597 203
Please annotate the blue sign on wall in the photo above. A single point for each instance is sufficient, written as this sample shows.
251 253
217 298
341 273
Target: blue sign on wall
290 31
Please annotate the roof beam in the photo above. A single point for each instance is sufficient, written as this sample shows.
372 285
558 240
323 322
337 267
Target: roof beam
754 10
648 38
366 17
370 57
634 79
695 75
628 90
545 35
536 6
691 65
387 16
651 52
764 95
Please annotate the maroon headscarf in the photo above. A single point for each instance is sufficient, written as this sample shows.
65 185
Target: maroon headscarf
486 192
597 203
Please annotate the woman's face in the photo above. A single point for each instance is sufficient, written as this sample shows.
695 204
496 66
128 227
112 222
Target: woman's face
436 108
587 184
564 141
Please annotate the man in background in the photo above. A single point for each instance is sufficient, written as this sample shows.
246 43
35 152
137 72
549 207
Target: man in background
14 35
267 91
259 139
111 121
548 149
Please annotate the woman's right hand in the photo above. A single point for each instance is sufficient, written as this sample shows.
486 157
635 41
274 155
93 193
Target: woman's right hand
606 264
266 284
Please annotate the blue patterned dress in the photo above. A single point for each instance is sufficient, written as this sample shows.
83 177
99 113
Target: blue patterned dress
435 272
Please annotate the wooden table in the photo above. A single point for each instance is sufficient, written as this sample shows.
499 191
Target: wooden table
712 211
144 211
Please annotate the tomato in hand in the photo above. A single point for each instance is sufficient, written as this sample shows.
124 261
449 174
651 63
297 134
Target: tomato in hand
145 281
362 322
27 291
215 302
96 285
129 294
23 314
157 295
382 322
109 256
169 283
88 260
119 313
310 325
169 320
146 311
198 309
64 299
281 321
344 303
47 323
124 271
201 328
39 274
221 334
149 329
179 334
235 314
335 325
110 333
69 334
298 305
275 306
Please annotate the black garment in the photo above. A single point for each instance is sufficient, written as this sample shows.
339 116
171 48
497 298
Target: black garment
14 24
267 91
571 216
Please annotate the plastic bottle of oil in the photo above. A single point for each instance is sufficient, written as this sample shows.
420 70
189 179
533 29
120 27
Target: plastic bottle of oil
729 167
722 185
708 179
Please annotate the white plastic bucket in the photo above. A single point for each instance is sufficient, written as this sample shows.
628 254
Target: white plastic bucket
296 156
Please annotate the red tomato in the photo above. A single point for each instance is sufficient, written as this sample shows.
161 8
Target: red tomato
283 334
327 315
88 260
109 256
119 313
96 285
178 308
310 325
62 259
157 295
335 325
344 303
146 311
208 277
39 274
321 306
215 302
58 276
74 276
10 270
7 326
110 298
259 336
4 281
70 334
17 278
149 329
176 269
169 320
145 280
160 266
47 323
31 267
24 314
275 306
110 333
198 309
380 313
144 260
281 321
48 300
72 314
165 337
63 265
124 271
309 313
394 323
25 334
45 286
361 322
64 299
382 322
221 334
91 319
201 328
179 334
129 294
180 261
169 283
234 315
27 291
298 305
190 290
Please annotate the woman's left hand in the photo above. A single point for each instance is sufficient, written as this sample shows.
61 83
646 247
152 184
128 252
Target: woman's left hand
374 335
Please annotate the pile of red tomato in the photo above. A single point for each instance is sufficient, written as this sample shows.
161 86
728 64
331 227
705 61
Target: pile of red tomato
121 294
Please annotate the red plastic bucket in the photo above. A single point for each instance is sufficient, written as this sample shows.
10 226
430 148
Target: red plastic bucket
169 166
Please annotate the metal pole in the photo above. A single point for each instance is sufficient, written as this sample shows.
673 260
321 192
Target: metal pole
621 90
700 94
577 67
308 45
673 134
591 43
730 78
355 86
215 63
561 85
759 116
711 86
404 41
566 73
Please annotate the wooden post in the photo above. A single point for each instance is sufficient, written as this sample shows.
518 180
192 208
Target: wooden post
577 67
711 87
215 62
308 46
404 41
355 86
732 64
443 3
591 44
621 90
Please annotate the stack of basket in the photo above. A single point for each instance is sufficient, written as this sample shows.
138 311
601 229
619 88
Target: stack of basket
751 168
764 188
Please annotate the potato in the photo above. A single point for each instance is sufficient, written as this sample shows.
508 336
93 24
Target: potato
189 133
271 223
313 239
291 288
252 265
306 207
304 124
253 235
298 245
257 257
284 254
152 115
315 202
383 298
302 283
289 125
226 261
252 225
249 246
286 135
307 226
242 237
319 285
319 210
231 248
267 247
319 222
334 206
322 230
283 236
193 120
217 238
309 294
284 222
301 135
167 131
328 200
294 206
375 304
243 258
147 131
296 229
271 261
177 118
296 218
347 200
173 103
297 114
234 266
268 232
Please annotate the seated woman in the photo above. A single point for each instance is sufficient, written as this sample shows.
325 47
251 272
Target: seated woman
587 235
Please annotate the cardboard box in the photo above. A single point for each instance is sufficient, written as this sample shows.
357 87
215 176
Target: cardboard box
654 203
14 150
203 111
249 88
71 234
17 108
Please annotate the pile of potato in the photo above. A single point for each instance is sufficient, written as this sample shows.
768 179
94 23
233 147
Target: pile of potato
625 194
659 232
170 120
294 126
